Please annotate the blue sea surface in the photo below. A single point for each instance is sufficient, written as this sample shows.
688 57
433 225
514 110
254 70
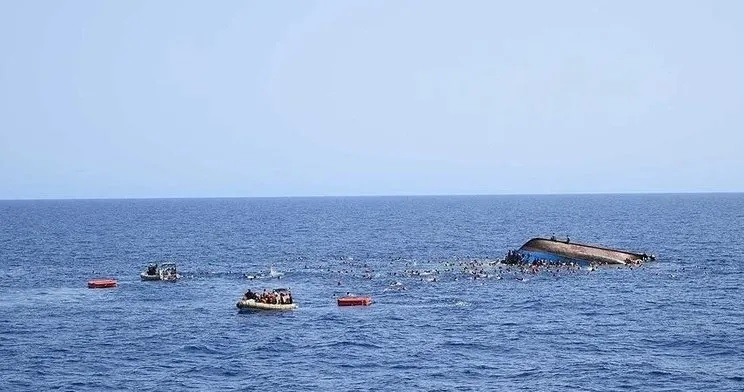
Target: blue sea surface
676 324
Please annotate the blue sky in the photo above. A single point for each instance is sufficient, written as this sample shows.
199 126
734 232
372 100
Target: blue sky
260 98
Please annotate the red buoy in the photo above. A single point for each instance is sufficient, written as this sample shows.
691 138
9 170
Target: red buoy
101 283
354 301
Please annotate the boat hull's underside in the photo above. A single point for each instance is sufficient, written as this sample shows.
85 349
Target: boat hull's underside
538 249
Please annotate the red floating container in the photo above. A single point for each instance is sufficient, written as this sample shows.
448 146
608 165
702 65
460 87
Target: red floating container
354 301
101 283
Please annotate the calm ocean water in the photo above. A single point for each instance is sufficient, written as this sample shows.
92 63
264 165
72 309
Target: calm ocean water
675 324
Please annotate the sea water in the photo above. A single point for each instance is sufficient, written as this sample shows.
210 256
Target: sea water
674 324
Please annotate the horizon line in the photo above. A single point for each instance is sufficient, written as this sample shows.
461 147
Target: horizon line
373 195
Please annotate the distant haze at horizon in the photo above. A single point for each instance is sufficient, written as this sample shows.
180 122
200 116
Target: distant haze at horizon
474 195
371 98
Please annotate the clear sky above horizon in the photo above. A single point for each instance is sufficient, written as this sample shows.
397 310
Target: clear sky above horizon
261 98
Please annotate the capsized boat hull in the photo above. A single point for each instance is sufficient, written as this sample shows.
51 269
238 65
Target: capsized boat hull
250 304
561 251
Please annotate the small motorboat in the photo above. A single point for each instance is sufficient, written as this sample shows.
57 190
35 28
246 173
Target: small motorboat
101 283
352 300
165 271
277 299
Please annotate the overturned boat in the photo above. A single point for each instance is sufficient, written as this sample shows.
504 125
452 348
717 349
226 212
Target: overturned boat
552 250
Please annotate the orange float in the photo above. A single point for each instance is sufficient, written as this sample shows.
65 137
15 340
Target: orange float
101 283
354 301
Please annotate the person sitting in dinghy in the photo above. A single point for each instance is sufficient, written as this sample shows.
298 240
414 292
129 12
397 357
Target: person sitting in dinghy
250 295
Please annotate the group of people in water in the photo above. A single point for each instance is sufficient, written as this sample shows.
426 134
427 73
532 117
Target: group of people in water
514 257
270 297
516 264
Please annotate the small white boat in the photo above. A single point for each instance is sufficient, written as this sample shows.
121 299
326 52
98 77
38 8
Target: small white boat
166 271
248 304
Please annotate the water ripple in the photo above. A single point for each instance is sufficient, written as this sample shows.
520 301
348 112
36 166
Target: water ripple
671 325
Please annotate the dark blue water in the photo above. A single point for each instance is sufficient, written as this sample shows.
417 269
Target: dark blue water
676 324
